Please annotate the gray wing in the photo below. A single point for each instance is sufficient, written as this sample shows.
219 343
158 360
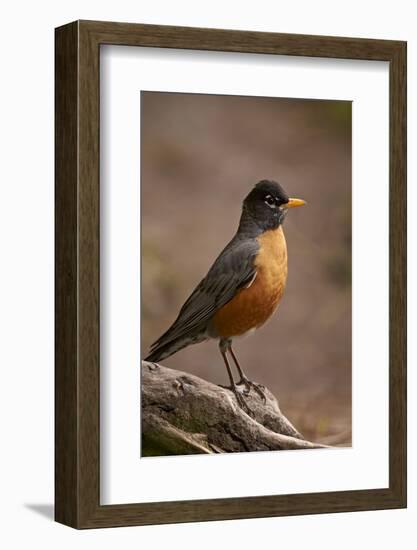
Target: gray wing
232 270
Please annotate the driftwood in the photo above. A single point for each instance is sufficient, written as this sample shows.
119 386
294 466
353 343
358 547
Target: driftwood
183 414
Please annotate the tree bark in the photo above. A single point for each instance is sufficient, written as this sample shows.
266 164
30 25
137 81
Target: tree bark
184 414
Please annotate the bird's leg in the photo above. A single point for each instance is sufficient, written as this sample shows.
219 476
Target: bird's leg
245 380
224 346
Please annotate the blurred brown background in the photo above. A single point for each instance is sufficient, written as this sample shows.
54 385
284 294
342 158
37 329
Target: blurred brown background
200 156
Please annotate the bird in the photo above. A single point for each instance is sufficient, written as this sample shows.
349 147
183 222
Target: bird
241 290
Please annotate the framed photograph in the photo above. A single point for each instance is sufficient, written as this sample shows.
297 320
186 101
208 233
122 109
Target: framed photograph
230 274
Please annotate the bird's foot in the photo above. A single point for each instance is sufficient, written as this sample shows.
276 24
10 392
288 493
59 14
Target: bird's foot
240 399
259 388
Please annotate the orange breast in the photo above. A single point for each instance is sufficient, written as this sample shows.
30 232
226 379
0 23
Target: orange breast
253 305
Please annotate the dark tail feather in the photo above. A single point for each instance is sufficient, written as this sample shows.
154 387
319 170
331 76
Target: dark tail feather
159 353
162 351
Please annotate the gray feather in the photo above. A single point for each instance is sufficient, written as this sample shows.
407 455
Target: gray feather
233 269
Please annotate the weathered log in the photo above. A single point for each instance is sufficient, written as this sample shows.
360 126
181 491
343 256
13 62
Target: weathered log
184 414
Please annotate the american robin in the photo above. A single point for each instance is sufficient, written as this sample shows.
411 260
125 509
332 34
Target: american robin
243 287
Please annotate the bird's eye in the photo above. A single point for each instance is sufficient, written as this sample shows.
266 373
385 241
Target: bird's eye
270 201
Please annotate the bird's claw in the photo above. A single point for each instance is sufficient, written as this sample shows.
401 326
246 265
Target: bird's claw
240 399
241 402
259 388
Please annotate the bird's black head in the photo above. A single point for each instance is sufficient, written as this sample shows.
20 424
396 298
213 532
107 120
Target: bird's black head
267 205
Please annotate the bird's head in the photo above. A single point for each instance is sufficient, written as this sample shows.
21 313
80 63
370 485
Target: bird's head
267 204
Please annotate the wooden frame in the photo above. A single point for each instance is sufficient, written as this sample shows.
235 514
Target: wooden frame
77 406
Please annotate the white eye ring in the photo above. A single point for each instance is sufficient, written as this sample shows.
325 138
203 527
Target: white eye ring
270 204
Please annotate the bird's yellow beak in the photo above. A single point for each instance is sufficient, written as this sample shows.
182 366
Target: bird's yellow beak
292 203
